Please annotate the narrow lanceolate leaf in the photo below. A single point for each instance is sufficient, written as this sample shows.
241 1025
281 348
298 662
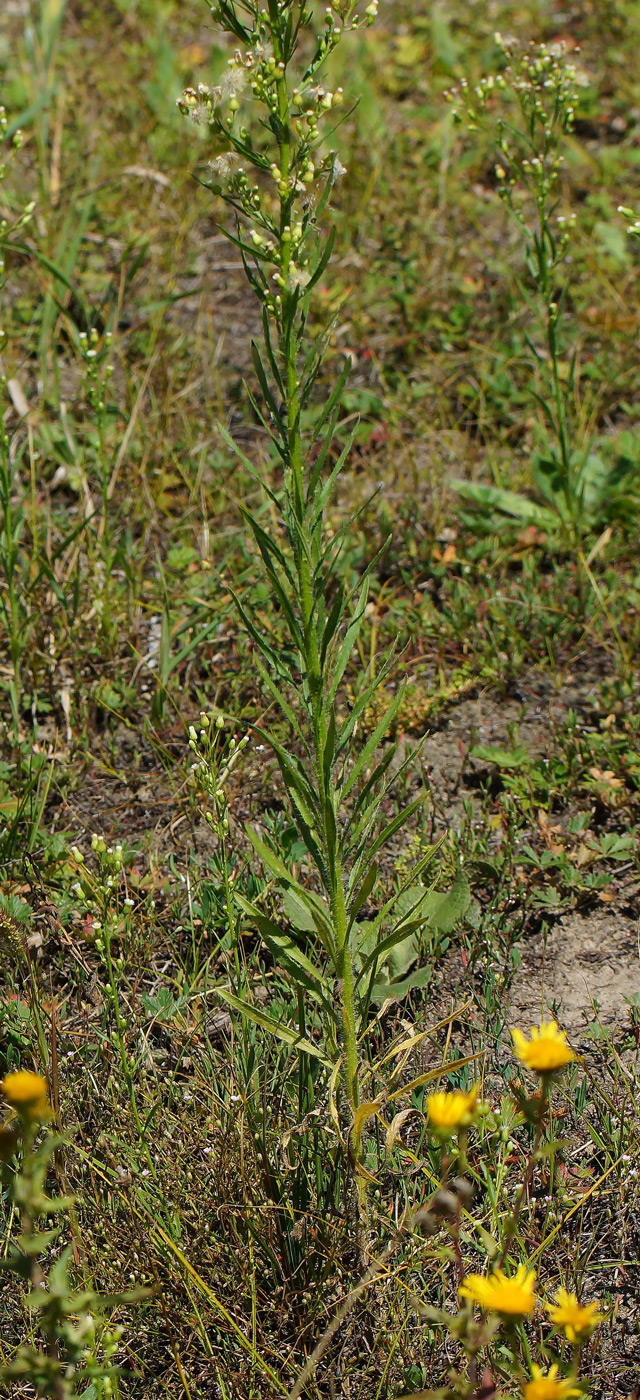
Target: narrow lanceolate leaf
276 1028
430 1075
333 402
258 637
372 743
269 550
399 820
281 698
270 544
350 639
333 621
273 363
323 495
287 954
364 891
297 783
373 781
365 818
364 699
363 1113
248 465
271 931
264 382
322 261
329 748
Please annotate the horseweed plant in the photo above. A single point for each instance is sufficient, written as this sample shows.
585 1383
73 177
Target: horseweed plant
75 1354
276 172
526 110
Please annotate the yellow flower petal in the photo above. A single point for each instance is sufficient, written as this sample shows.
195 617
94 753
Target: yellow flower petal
546 1052
511 1297
449 1111
26 1092
548 1387
575 1319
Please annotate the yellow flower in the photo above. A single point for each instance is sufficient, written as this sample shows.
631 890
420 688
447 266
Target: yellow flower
512 1297
576 1320
450 1111
547 1051
548 1387
27 1093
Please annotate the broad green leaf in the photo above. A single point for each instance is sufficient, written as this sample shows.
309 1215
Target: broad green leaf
444 911
402 957
503 758
298 914
395 991
508 502
378 949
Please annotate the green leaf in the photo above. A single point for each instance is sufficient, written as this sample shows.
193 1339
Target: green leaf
281 698
398 821
373 742
365 890
508 503
503 758
287 953
402 957
264 383
333 621
275 1028
395 991
365 696
348 644
315 906
378 951
297 913
444 911
322 262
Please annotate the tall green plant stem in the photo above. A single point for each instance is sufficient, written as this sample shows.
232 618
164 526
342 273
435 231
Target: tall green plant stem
302 543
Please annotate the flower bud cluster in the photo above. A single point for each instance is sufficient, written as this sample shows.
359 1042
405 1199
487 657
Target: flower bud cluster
633 227
98 889
295 116
544 86
214 763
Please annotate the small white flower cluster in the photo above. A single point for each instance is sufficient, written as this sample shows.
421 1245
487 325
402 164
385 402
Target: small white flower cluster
211 769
